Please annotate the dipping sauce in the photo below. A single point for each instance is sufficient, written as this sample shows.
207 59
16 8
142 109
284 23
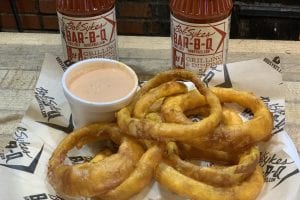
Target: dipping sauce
103 82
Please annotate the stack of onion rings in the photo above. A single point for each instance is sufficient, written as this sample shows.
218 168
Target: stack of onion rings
226 140
226 137
108 175
158 138
164 131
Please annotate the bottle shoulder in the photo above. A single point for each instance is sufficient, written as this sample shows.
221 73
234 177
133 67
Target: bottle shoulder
201 11
87 8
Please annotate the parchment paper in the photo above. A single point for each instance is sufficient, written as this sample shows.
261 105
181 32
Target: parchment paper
23 165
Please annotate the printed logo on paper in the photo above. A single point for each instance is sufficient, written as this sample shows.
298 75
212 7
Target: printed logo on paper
50 110
274 63
277 168
213 71
277 109
47 104
43 196
19 154
63 64
79 159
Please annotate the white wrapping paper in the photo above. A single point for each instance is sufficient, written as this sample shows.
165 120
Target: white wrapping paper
23 165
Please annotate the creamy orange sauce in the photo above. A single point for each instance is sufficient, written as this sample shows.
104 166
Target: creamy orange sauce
100 83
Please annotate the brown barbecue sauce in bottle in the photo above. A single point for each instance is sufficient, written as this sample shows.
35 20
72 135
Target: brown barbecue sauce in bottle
88 29
199 33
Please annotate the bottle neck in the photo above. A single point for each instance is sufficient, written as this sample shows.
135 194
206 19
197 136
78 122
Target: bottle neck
201 11
84 8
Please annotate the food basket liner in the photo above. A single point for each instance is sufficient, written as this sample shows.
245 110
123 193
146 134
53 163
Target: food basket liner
23 164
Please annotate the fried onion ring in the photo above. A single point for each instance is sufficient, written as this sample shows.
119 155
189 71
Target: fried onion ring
218 175
229 117
188 100
185 186
227 136
93 178
139 178
237 137
154 117
174 107
101 155
148 129
164 90
155 107
189 152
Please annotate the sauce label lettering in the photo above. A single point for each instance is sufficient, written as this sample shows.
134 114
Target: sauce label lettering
196 47
89 37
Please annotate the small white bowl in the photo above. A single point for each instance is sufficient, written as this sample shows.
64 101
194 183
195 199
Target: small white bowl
85 112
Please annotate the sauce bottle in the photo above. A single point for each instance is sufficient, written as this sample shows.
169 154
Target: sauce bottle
199 33
88 29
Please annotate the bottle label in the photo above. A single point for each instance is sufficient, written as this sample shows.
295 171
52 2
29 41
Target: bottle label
196 47
89 37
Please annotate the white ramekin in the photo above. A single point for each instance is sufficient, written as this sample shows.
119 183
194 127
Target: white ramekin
85 112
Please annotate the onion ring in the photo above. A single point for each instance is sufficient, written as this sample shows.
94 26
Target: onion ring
218 175
179 107
93 178
185 186
139 178
228 136
174 107
189 152
148 129
165 89
154 116
213 175
101 155
236 137
155 107
229 117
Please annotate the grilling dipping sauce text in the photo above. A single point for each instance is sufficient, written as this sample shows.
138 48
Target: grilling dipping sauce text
100 82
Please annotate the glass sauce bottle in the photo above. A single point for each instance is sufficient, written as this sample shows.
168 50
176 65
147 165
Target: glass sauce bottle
88 29
199 33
